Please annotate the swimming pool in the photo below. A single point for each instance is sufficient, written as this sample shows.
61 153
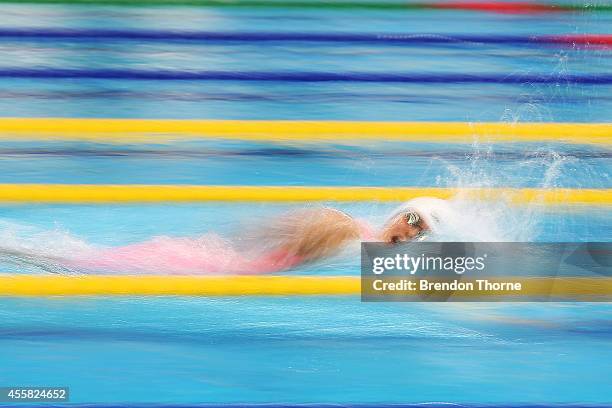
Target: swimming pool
300 349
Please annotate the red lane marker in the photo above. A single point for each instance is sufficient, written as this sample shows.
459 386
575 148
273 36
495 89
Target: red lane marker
498 7
585 40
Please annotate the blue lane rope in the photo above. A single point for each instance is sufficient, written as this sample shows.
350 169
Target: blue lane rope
95 35
280 152
297 76
89 34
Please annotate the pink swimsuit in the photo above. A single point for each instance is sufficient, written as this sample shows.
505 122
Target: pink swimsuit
184 256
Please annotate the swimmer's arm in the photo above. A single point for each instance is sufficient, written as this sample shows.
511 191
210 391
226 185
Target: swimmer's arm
315 233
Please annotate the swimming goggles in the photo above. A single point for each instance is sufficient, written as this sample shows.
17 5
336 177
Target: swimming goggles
412 218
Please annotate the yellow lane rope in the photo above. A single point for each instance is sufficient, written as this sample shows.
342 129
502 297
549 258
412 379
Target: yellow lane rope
154 130
96 193
148 285
29 285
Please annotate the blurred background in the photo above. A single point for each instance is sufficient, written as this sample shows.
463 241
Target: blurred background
509 62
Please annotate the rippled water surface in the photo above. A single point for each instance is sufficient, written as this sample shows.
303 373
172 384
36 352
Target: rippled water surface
300 349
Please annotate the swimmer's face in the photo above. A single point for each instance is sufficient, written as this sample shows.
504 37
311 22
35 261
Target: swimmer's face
398 230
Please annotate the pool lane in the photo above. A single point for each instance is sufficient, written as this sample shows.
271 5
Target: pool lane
239 163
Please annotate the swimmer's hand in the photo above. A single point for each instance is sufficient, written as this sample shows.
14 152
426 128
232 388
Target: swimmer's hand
312 234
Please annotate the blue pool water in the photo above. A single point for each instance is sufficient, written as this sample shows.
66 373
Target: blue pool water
307 350
311 349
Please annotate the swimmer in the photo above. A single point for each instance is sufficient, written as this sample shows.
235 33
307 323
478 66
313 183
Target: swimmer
292 239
